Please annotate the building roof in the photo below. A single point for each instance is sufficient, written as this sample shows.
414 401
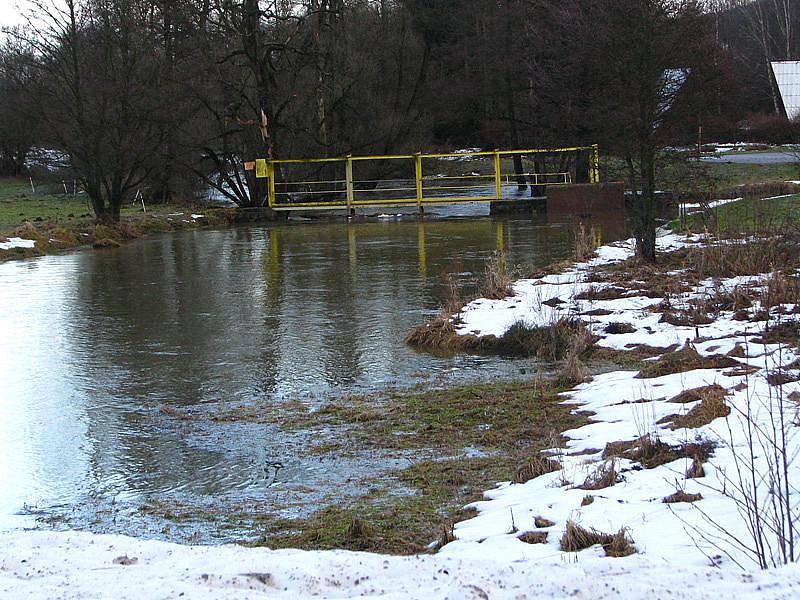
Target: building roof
787 74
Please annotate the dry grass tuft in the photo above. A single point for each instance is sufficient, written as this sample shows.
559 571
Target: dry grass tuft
436 332
536 467
779 289
586 241
738 351
595 293
587 500
574 370
651 452
549 342
685 359
648 450
781 377
447 535
711 406
681 496
619 328
696 469
533 537
686 318
604 476
597 312
439 332
787 332
106 243
699 394
496 281
360 533
619 448
542 523
722 260
577 538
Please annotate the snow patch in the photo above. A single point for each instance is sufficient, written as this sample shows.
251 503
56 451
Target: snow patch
16 242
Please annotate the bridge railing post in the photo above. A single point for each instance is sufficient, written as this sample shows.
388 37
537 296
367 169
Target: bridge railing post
348 175
418 178
271 184
498 189
594 175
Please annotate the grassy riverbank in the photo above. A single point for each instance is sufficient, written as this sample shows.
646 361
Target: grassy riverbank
750 215
61 222
674 172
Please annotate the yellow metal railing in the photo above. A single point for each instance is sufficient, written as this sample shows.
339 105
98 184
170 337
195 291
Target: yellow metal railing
400 180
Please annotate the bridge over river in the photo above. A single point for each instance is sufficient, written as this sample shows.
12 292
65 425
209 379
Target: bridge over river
351 182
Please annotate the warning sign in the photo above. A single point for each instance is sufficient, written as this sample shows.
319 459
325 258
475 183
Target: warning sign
261 167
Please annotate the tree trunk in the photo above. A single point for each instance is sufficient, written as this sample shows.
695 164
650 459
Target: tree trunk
646 222
264 87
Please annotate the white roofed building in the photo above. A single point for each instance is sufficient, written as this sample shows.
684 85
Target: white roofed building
787 74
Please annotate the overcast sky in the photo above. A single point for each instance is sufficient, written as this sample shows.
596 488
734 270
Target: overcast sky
9 12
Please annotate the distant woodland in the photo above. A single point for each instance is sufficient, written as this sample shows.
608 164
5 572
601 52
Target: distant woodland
169 95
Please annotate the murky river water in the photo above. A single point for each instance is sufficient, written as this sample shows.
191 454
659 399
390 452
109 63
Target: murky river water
97 348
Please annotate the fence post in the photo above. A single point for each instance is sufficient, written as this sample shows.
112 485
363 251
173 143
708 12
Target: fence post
595 168
348 175
418 178
271 184
498 190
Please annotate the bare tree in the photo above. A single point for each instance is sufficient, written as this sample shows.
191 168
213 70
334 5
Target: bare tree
644 52
19 125
770 25
99 94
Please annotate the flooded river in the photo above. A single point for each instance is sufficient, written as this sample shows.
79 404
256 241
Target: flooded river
100 350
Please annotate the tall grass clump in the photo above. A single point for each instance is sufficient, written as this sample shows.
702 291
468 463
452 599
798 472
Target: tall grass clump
585 241
546 342
497 280
577 538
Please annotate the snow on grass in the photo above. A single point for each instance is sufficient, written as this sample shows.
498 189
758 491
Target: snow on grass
675 544
16 242
528 304
81 565
625 407
685 209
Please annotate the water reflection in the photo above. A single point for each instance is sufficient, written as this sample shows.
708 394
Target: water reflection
100 348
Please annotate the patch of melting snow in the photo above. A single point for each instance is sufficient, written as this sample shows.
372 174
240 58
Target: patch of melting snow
626 407
16 242
694 207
